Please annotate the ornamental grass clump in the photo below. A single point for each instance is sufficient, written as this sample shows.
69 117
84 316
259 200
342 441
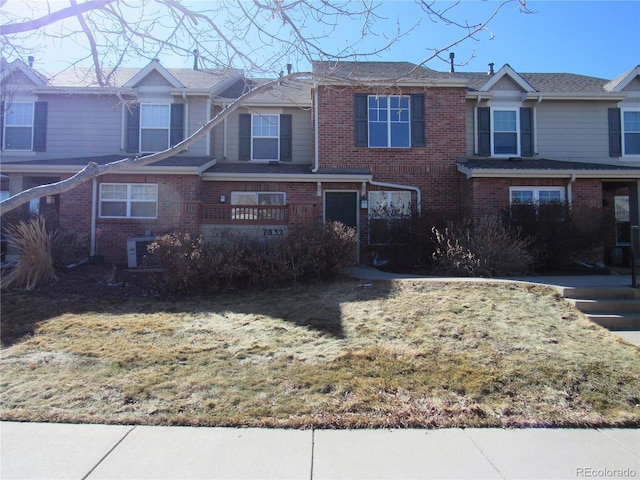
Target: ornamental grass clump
36 246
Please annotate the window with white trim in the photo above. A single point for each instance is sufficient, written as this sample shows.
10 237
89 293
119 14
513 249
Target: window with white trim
547 202
128 200
265 137
155 122
630 132
258 205
18 126
505 132
389 121
387 210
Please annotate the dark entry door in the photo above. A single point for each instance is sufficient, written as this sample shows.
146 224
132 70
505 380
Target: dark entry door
342 207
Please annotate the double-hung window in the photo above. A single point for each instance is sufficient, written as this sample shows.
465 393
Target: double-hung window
154 127
505 132
389 121
265 135
128 200
18 126
631 132
387 210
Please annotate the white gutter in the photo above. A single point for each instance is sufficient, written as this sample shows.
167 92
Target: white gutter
546 173
279 177
316 147
402 187
185 126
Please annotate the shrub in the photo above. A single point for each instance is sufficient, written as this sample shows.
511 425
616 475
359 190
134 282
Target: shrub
36 247
482 248
559 235
309 252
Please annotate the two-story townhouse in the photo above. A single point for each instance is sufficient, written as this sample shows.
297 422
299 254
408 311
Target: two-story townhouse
362 143
539 138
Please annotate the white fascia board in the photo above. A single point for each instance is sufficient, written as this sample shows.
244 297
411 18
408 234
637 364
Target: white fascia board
544 173
73 169
83 91
274 177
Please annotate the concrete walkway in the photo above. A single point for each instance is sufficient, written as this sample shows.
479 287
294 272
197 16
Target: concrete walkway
52 451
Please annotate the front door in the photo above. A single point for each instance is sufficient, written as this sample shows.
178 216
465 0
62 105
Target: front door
343 207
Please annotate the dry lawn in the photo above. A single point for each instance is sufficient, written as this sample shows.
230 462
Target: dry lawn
405 353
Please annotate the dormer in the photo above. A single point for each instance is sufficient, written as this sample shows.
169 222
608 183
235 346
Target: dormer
627 82
507 83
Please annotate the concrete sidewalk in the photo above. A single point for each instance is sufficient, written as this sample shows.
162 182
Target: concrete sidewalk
51 451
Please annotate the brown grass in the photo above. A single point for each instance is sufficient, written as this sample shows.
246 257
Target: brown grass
394 354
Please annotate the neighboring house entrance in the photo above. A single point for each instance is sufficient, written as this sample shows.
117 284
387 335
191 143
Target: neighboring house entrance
343 207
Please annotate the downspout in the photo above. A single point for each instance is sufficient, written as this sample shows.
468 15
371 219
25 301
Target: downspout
224 132
94 214
570 190
316 148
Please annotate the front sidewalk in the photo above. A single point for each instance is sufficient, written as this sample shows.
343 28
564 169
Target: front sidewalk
36 451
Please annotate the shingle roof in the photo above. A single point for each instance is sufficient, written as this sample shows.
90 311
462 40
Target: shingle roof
175 161
538 164
85 77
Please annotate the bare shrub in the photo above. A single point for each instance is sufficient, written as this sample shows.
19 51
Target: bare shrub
485 247
309 252
36 248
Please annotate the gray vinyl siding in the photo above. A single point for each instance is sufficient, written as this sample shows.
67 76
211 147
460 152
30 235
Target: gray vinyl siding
197 113
575 131
470 121
302 135
82 125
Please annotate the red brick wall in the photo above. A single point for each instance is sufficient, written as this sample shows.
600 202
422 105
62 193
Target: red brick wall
173 190
431 168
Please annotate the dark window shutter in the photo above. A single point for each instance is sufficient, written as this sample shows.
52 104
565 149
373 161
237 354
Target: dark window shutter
244 153
177 123
484 131
40 127
417 121
362 120
133 129
615 133
526 132
286 154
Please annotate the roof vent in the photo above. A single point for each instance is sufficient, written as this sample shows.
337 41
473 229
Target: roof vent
31 59
196 54
490 72
451 57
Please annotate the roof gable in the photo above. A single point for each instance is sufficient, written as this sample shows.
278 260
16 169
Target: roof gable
497 80
152 70
19 73
626 81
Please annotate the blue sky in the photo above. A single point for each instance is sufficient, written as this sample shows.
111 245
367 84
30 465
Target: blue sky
596 38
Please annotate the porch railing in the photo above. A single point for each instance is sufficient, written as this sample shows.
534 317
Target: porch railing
244 214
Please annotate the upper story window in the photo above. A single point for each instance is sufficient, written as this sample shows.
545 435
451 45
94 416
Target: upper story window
265 137
631 132
392 121
389 122
128 200
154 127
504 132
24 126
